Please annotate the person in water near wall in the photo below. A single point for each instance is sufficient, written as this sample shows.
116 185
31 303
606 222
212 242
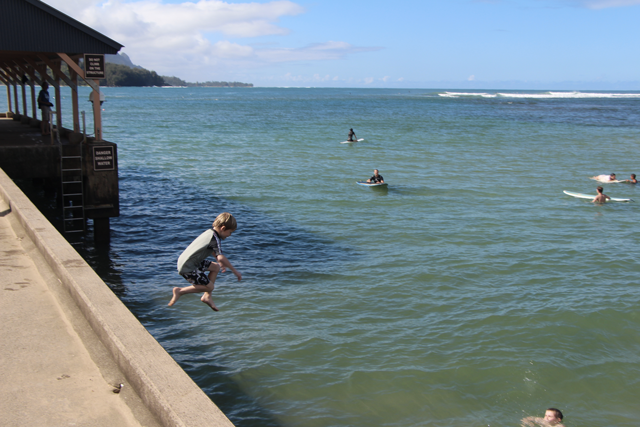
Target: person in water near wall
552 417
601 197
352 135
376 178
200 272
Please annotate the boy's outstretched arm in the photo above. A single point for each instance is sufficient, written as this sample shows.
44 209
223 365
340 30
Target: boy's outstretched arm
224 263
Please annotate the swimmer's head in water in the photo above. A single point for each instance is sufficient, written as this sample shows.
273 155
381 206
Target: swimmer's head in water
553 415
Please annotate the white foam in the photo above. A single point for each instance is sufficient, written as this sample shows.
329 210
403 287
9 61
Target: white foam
459 94
544 95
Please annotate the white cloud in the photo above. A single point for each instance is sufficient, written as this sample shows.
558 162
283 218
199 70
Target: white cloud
180 38
368 80
471 78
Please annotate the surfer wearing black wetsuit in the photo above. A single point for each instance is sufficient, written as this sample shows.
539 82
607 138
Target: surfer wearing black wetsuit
352 136
376 178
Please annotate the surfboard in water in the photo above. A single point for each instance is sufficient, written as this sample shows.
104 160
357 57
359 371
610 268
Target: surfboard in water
590 197
349 142
371 184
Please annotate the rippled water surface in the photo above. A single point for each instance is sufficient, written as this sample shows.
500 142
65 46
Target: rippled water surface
471 292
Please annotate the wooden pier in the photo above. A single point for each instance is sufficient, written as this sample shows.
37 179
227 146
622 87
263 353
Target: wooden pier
86 181
41 46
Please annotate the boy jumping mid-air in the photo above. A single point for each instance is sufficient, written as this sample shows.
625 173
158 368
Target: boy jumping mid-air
200 272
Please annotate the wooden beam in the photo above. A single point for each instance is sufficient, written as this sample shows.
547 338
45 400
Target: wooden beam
71 63
55 67
6 78
32 71
9 73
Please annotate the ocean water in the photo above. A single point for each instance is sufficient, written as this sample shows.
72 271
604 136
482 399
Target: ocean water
470 292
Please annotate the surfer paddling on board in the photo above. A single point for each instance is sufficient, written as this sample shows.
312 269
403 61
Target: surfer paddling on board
605 178
601 197
200 272
352 136
552 417
376 178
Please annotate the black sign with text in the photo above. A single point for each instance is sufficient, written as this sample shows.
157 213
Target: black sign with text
103 158
94 66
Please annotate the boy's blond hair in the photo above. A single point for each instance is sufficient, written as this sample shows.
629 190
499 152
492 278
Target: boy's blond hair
226 220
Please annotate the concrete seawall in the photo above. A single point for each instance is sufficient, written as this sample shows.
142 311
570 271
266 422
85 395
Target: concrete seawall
162 386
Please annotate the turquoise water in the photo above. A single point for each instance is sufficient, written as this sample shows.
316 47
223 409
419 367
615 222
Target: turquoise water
471 292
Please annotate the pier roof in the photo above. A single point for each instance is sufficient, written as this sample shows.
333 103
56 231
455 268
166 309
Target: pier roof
31 27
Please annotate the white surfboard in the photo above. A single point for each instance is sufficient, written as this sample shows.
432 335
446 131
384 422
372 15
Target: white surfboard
591 197
371 184
349 142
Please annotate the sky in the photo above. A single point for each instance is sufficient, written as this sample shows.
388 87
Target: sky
466 44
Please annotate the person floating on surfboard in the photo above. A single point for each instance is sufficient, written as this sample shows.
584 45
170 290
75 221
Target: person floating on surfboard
605 178
601 197
376 178
352 136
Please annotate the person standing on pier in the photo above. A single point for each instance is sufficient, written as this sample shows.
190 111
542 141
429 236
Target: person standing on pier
45 106
200 272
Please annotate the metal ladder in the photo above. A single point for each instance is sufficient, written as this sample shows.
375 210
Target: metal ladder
72 187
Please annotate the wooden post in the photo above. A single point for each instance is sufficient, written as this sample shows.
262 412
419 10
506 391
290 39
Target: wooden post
9 98
15 96
24 98
58 99
101 230
97 111
74 101
42 70
33 98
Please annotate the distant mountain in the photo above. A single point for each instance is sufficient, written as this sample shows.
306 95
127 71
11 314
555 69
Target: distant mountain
120 59
150 78
123 75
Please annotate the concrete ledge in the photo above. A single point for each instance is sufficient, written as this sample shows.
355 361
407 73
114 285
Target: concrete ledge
160 382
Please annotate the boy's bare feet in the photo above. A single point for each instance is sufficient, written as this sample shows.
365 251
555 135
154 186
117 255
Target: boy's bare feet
176 295
207 300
